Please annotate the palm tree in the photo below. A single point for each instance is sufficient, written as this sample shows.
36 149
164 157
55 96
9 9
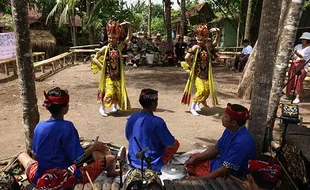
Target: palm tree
25 70
66 8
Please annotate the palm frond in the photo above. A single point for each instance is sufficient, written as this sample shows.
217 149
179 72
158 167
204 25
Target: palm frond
63 16
53 11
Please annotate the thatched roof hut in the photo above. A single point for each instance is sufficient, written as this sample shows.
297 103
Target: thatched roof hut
43 40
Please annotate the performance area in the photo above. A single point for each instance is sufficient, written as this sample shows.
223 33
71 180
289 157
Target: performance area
192 132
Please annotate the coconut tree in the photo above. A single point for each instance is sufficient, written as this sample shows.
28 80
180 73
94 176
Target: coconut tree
25 70
262 81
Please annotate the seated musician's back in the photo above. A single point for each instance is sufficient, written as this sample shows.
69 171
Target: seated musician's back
58 152
151 132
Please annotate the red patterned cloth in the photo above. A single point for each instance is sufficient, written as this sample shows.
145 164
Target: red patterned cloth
199 169
64 178
170 151
296 64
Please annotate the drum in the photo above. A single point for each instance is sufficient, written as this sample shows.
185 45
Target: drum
134 180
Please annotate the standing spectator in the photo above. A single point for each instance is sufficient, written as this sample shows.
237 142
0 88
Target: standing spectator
301 56
241 60
103 37
179 50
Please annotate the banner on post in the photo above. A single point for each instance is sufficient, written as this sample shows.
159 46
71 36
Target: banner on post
7 45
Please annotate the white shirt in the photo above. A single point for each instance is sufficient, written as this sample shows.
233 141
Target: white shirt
247 50
305 54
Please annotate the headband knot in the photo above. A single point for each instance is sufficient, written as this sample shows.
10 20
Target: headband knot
239 115
51 100
148 96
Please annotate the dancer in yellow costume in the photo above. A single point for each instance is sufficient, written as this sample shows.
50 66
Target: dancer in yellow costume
198 63
112 88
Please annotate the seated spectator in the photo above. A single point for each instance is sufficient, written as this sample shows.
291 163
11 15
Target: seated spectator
241 60
232 151
264 173
151 132
58 152
133 52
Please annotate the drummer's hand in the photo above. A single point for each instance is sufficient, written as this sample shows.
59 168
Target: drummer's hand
100 146
190 161
246 185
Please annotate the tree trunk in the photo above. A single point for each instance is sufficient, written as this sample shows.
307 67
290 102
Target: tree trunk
286 42
149 21
25 70
90 28
245 84
266 50
183 18
248 20
168 26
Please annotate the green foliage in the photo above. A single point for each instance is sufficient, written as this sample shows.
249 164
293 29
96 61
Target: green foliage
8 20
307 4
5 6
157 25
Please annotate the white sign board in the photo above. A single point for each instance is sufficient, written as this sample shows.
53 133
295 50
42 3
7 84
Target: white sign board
7 45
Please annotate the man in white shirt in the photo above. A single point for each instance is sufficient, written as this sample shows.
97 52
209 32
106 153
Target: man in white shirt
243 58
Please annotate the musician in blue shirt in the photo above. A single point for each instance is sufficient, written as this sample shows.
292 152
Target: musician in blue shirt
151 132
231 153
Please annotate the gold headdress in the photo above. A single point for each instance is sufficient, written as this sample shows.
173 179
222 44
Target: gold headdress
113 28
202 31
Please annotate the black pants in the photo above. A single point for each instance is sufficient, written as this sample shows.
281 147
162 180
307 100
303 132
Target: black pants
240 64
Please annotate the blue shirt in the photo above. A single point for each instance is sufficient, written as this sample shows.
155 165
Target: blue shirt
56 145
236 148
151 131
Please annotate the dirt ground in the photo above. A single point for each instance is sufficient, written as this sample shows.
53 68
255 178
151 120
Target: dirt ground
191 131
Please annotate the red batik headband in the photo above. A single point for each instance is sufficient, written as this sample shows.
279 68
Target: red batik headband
268 170
50 100
245 115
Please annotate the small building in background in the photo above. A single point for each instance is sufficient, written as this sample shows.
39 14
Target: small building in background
197 14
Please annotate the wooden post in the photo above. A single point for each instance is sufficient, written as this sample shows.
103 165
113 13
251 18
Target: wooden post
53 67
72 61
42 69
6 69
14 67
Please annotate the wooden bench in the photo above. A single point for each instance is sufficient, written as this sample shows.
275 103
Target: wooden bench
228 55
76 51
61 59
35 55
81 49
6 62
